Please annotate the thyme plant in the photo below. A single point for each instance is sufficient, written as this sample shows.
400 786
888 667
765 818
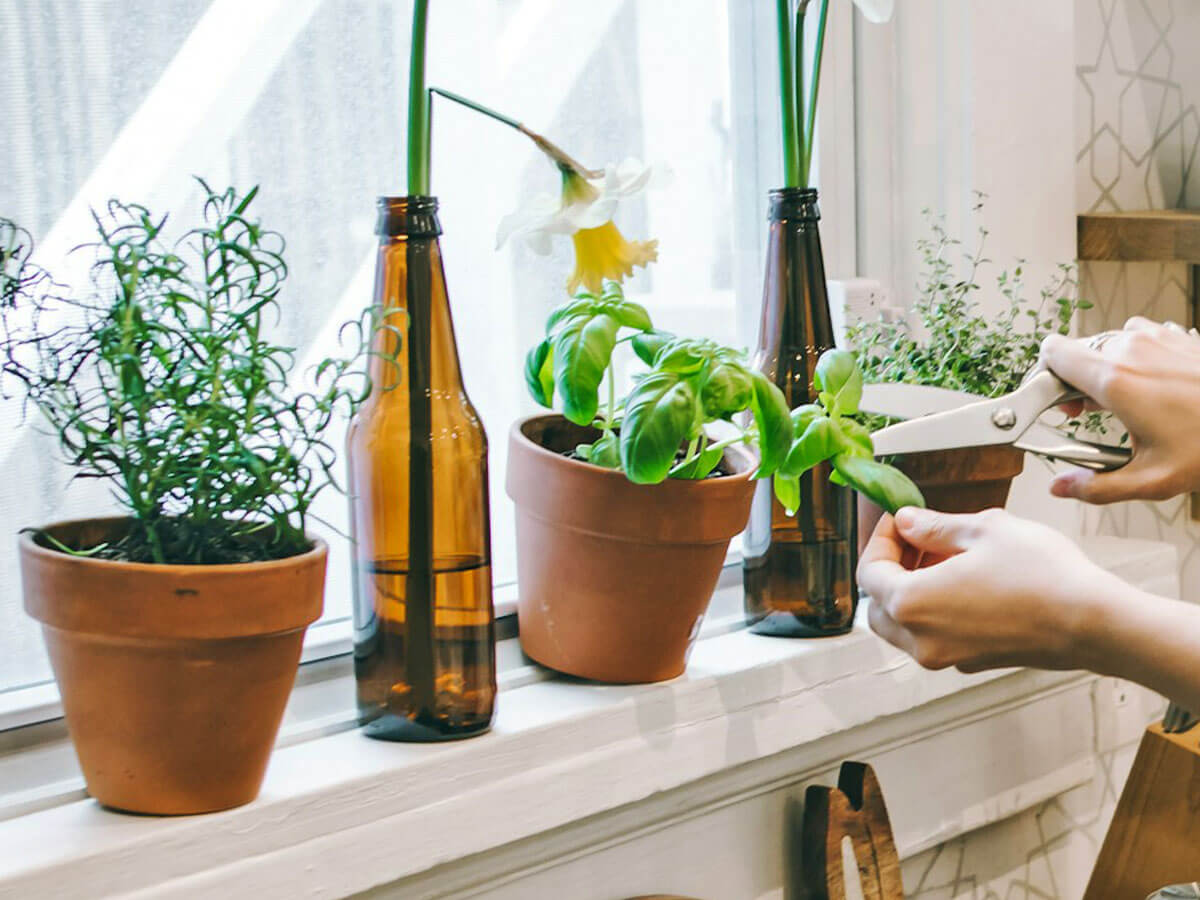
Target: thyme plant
956 344
162 379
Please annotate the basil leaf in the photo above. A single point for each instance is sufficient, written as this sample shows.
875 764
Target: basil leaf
803 416
819 442
631 315
659 414
539 374
604 452
773 419
840 381
885 486
582 351
647 344
856 439
787 491
726 390
582 305
700 467
683 356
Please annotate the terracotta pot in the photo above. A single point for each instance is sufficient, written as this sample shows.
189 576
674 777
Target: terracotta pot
962 480
614 577
173 678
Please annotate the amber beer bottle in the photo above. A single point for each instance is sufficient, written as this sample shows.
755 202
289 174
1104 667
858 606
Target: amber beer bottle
798 571
424 654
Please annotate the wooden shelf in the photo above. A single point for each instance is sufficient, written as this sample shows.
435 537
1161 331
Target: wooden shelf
1155 235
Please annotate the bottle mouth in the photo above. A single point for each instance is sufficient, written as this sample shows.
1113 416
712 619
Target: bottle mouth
414 215
794 203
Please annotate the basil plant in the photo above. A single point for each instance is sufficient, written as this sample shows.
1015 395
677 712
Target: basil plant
827 431
660 429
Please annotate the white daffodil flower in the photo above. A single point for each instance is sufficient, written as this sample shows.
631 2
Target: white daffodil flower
584 210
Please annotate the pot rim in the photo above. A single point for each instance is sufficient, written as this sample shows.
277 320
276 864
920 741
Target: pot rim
31 547
739 455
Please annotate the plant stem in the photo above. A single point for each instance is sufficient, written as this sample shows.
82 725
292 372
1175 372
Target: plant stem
556 153
610 413
798 76
787 95
811 119
418 105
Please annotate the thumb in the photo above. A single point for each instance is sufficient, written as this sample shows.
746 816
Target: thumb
943 534
1130 482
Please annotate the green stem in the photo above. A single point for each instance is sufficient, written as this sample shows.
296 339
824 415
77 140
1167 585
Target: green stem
811 119
561 158
418 106
787 96
798 75
478 107
612 398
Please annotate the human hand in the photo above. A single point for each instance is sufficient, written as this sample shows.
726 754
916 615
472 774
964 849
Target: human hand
1148 375
983 590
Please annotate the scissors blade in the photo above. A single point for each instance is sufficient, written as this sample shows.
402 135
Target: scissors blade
971 425
911 401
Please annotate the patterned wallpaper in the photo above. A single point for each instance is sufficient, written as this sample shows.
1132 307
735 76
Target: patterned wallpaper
1138 132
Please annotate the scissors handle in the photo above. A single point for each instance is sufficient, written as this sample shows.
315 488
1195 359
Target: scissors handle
1054 444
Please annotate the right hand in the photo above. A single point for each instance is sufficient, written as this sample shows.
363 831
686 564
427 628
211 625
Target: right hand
1147 375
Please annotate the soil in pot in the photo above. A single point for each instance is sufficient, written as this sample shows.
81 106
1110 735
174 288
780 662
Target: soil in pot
173 678
614 577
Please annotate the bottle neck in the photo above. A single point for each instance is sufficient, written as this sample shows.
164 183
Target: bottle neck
412 217
793 205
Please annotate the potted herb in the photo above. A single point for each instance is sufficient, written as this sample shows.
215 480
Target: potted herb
174 629
626 504
951 341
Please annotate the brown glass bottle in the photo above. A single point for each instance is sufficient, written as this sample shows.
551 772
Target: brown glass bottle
424 649
798 570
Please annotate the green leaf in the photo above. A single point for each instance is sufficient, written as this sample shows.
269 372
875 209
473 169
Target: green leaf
604 452
700 467
631 315
660 413
581 305
884 485
787 491
856 439
773 419
820 441
582 351
684 356
839 378
539 373
647 344
803 416
726 390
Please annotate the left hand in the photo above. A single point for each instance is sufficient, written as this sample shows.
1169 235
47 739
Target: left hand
990 590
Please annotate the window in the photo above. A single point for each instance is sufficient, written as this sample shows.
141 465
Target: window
306 98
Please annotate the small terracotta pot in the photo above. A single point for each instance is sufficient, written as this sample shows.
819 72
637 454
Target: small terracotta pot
962 480
614 577
173 678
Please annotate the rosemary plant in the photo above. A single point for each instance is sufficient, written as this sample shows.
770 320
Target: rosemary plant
162 380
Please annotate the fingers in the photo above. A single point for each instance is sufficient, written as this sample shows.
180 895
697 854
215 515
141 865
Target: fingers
885 626
879 569
936 533
1080 366
1131 482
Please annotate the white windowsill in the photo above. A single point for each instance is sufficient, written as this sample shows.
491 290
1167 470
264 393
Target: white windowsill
340 813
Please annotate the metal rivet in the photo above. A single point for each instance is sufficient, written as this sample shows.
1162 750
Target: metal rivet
1004 418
